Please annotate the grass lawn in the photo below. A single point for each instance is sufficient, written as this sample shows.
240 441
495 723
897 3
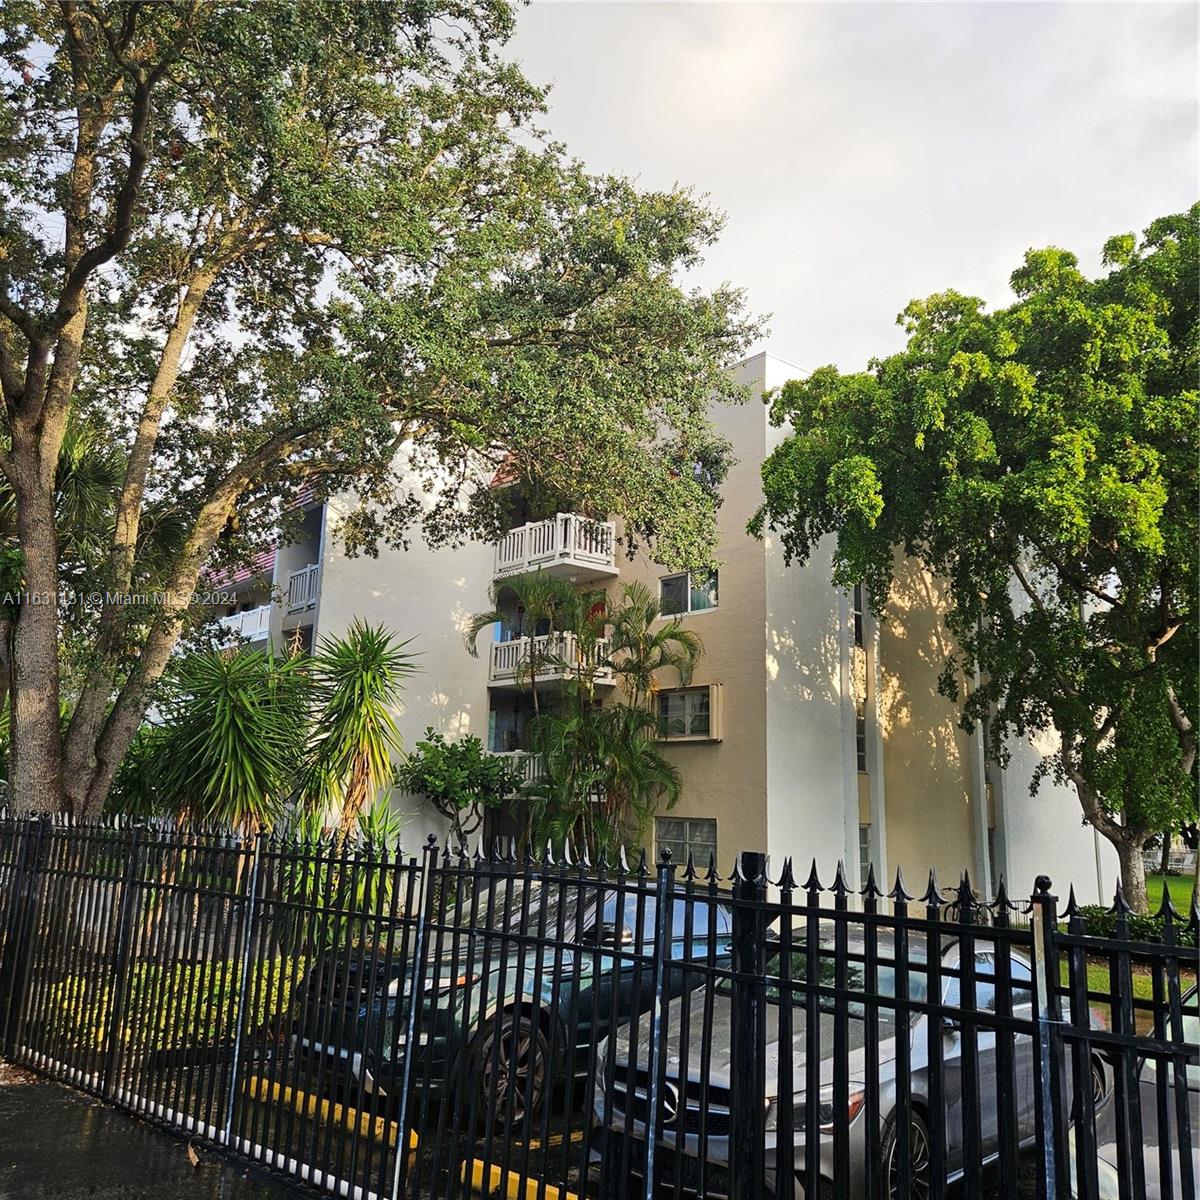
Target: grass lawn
1180 887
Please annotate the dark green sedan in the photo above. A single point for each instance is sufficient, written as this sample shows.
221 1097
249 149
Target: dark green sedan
519 994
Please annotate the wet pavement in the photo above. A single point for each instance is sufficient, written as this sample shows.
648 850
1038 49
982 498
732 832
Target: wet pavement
58 1143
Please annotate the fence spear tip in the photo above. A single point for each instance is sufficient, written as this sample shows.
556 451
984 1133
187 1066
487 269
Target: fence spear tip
840 885
871 889
813 882
899 893
1166 910
787 877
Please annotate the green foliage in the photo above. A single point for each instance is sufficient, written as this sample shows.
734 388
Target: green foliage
323 248
380 824
1099 921
173 1006
233 731
601 774
642 645
460 779
243 734
356 684
1042 459
136 790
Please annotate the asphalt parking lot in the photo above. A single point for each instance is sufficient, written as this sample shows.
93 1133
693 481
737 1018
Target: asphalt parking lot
56 1143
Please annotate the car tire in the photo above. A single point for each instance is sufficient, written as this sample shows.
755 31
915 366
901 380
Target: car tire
922 1164
511 1078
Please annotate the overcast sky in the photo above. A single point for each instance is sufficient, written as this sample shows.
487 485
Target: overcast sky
866 154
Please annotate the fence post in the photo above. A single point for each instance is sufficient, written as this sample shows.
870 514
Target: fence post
14 972
248 932
663 924
125 918
415 984
748 1029
1054 1168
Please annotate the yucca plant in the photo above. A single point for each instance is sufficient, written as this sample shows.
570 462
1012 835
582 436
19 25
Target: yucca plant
234 730
357 681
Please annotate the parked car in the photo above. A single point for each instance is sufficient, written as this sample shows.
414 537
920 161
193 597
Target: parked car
705 1097
1108 1167
542 1007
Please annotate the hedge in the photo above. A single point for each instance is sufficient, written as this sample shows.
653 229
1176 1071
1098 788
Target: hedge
1099 921
167 1007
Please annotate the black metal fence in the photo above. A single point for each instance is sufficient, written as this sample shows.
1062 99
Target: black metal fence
449 1025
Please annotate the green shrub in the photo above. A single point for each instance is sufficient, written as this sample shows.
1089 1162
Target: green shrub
186 1004
1099 921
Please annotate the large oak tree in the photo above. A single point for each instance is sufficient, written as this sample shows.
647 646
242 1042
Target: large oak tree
260 251
1043 460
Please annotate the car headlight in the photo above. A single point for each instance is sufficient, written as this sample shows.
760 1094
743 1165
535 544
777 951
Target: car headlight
855 1099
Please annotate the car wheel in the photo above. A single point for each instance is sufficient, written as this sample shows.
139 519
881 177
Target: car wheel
920 1158
511 1077
1099 1081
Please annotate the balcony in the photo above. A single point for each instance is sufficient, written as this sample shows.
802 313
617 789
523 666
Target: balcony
303 588
529 764
556 656
569 545
254 625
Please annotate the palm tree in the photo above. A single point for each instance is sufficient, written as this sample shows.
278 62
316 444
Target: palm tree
603 776
357 682
541 597
640 648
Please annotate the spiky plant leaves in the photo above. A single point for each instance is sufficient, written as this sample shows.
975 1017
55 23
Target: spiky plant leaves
357 680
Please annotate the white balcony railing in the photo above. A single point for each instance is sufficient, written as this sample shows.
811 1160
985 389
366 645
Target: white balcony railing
254 624
529 764
565 540
303 588
556 657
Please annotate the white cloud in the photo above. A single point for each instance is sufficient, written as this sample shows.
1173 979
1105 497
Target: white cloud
866 154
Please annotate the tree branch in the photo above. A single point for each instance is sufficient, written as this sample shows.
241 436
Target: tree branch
1184 729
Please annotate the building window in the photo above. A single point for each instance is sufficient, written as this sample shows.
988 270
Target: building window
864 851
860 735
685 713
696 836
689 592
859 610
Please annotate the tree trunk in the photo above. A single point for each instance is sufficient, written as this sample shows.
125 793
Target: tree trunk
1165 864
1133 872
35 783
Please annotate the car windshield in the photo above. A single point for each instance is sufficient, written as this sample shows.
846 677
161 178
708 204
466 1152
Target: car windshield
517 905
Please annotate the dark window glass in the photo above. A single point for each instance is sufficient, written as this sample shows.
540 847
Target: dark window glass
673 594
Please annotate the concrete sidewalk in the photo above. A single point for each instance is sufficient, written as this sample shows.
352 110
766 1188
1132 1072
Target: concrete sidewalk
58 1143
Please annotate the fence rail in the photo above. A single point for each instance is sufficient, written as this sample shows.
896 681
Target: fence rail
444 1025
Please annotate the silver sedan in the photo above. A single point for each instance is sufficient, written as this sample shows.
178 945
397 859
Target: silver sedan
704 1096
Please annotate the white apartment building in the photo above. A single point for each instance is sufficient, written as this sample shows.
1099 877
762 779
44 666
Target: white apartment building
810 728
